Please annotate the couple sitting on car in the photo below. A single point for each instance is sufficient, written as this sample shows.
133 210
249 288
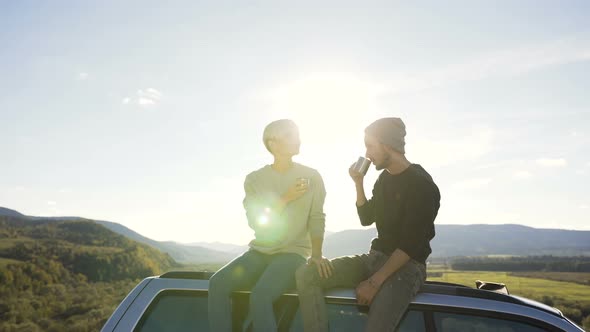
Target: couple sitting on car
284 206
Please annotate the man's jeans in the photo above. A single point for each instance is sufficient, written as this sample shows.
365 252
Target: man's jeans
268 276
388 305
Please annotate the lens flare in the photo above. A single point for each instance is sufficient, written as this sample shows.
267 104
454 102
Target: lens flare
263 220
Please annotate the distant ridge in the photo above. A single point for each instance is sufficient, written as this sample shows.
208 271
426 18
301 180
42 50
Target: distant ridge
450 241
220 246
179 252
10 213
476 240
50 247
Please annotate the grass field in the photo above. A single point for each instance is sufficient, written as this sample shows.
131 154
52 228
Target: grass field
582 278
534 288
572 298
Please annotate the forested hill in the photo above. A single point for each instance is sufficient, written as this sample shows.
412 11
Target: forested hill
65 275
179 252
80 247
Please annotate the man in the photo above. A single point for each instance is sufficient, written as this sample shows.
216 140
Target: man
284 206
404 205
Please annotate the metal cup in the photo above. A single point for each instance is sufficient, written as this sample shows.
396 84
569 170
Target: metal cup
303 182
362 165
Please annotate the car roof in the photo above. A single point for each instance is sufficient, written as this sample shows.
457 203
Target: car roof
430 287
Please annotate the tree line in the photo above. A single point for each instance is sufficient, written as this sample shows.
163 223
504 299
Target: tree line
62 275
521 264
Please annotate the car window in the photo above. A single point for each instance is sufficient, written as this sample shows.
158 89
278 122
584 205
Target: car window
341 317
347 317
187 311
413 321
448 322
176 311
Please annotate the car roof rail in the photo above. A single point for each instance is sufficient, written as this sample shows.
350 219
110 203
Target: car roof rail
443 288
443 283
196 275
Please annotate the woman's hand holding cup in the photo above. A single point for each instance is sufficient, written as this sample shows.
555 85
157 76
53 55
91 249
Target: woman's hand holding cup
296 190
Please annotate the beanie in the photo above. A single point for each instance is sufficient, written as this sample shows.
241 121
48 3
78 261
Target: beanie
389 131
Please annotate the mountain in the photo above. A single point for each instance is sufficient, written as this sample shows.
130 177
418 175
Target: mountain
509 239
180 252
476 240
450 241
230 247
67 275
9 213
220 246
460 240
64 247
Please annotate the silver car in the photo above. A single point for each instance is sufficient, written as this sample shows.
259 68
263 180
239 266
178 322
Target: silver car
177 301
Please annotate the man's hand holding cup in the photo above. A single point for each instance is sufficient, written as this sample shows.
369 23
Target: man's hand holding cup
358 170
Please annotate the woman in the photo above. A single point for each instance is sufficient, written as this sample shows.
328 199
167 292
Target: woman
284 206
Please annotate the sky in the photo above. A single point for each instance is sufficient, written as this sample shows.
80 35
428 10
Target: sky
150 114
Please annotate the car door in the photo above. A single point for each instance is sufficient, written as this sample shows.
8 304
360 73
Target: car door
344 314
482 321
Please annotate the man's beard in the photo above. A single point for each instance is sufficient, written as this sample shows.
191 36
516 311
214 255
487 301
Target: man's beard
384 163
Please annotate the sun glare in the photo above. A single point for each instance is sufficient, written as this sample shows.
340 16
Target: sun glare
263 220
331 110
327 106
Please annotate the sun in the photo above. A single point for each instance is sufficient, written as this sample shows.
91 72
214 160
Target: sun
327 107
331 111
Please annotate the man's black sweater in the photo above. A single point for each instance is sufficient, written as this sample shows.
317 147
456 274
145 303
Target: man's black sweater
403 207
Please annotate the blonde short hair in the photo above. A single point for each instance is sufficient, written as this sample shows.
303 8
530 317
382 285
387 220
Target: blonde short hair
276 129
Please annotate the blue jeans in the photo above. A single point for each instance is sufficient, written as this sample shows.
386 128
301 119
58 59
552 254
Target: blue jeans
389 304
268 276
